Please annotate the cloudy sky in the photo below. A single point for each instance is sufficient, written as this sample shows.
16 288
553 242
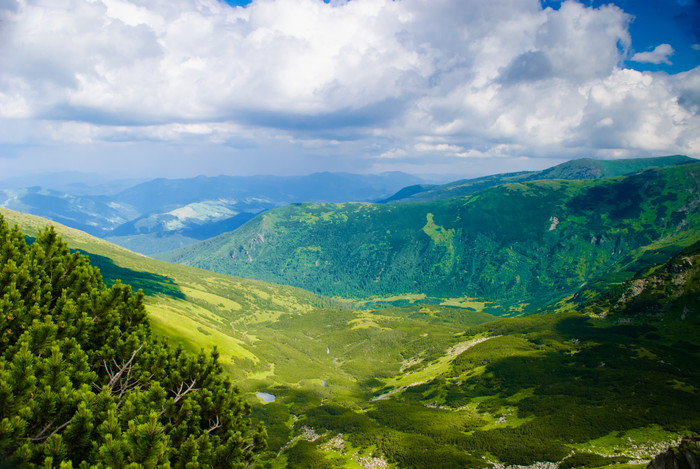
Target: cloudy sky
146 88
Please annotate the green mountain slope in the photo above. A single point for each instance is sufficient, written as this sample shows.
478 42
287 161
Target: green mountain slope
518 246
578 390
274 338
588 168
192 307
584 168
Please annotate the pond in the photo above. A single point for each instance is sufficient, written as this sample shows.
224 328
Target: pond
265 396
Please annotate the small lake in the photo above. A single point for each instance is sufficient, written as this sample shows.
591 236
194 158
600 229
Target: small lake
265 396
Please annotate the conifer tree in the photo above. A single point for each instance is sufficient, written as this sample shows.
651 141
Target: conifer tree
83 383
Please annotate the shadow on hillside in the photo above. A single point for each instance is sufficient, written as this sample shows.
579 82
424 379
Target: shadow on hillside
151 284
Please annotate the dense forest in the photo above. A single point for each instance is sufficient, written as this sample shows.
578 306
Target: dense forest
84 383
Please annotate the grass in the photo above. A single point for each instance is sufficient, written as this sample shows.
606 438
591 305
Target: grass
171 323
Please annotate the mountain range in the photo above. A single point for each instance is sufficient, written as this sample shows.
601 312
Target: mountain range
163 214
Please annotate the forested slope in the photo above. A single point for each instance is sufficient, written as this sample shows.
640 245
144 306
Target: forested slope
614 384
521 245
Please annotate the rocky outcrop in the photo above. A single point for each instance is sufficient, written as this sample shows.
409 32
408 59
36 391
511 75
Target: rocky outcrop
684 456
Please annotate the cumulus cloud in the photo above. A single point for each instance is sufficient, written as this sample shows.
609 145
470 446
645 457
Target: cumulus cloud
392 80
660 54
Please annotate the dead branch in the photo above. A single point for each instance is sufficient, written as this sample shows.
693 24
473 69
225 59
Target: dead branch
214 425
182 391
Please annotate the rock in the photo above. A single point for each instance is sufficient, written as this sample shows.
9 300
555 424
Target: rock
684 456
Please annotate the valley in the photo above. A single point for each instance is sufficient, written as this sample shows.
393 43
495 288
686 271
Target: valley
522 319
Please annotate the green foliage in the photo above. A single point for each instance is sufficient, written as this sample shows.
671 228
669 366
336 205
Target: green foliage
83 381
589 460
566 387
305 455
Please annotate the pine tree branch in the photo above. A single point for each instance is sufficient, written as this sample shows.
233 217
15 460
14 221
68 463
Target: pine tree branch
182 392
120 381
125 367
43 430
39 436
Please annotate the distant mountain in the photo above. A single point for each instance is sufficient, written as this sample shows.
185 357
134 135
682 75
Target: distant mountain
72 182
161 194
166 213
581 169
93 214
519 244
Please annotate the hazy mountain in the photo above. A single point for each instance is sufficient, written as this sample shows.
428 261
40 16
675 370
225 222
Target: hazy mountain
93 214
166 213
160 194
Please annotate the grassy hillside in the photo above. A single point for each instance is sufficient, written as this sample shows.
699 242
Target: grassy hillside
191 306
517 246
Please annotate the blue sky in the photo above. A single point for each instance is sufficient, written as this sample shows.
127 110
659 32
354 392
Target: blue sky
176 88
673 22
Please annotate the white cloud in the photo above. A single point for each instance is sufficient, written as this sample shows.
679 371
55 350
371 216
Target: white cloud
660 54
642 110
393 153
439 147
372 78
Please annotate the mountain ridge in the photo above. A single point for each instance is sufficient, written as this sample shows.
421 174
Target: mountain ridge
579 169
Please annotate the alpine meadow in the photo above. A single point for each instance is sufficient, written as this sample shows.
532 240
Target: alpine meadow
360 234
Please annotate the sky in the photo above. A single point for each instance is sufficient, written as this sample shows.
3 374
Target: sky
178 88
